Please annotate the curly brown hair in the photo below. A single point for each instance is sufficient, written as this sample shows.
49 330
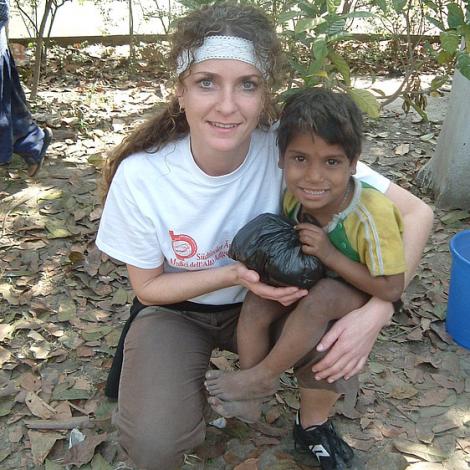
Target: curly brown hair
225 19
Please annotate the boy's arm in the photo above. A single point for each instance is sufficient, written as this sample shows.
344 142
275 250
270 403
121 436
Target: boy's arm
387 288
315 242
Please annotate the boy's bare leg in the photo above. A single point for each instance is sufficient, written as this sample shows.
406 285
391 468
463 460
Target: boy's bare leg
253 344
253 328
303 329
316 406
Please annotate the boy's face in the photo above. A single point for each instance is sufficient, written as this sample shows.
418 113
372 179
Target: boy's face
317 174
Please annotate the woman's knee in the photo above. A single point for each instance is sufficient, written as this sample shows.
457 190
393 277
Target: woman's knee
149 454
162 451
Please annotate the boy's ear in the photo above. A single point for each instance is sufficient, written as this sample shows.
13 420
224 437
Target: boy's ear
353 165
280 162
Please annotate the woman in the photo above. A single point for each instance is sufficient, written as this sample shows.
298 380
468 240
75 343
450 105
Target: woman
180 187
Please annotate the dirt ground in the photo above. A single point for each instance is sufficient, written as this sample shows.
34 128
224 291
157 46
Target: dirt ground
63 304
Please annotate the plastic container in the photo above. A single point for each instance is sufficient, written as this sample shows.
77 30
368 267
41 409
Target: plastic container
458 305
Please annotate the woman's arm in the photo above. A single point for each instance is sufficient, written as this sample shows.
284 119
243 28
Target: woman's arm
155 287
352 337
418 219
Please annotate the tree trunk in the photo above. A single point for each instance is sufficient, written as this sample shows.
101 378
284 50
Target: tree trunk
38 52
131 34
448 171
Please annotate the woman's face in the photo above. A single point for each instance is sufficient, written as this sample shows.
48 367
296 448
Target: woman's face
223 100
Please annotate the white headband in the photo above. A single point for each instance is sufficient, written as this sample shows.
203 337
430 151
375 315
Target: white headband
221 47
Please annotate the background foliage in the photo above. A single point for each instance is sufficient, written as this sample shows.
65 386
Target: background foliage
316 33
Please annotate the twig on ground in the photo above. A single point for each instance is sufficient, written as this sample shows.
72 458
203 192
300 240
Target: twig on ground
71 423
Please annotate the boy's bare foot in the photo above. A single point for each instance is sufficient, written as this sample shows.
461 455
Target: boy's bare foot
243 385
248 411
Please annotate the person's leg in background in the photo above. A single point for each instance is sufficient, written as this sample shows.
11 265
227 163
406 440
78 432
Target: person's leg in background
6 130
18 131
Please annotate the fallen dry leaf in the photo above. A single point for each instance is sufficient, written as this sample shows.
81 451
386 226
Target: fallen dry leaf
425 466
83 452
447 382
431 397
269 430
428 453
360 444
403 391
272 414
41 444
38 407
402 149
6 331
221 362
30 382
5 356
250 464
63 411
424 432
446 425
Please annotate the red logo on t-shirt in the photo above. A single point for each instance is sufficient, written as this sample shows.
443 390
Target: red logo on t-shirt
183 245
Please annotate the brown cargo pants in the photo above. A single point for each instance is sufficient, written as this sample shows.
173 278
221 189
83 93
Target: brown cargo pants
161 392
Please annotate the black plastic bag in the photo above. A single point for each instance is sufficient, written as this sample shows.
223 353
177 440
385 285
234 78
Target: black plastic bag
270 245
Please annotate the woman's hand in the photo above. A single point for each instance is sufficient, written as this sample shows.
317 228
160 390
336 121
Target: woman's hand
351 339
284 295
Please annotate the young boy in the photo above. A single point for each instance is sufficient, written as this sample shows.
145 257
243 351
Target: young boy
359 241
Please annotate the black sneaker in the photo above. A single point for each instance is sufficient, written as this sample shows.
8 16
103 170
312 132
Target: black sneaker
324 443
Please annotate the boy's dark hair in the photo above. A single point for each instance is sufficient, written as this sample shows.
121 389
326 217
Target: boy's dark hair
332 116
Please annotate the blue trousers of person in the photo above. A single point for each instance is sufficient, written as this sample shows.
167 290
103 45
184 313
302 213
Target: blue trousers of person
18 132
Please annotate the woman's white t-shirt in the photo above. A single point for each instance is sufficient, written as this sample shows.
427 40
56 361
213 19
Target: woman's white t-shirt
163 209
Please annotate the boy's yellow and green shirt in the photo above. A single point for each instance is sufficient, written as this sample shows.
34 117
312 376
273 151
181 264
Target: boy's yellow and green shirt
368 231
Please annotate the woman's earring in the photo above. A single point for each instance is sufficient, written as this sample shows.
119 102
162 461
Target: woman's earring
181 109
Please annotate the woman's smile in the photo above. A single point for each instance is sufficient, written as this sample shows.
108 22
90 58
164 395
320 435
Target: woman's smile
222 125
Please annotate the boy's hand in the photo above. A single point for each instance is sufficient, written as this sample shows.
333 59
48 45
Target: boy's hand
315 242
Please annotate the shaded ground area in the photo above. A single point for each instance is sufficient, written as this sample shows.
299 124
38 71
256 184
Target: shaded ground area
63 305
